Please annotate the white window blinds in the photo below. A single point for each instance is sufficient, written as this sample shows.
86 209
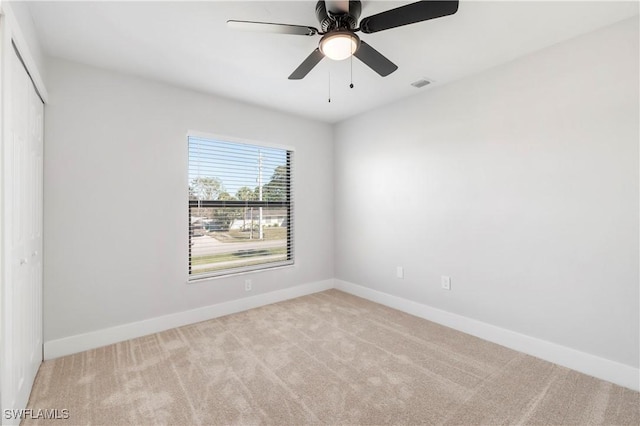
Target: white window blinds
240 207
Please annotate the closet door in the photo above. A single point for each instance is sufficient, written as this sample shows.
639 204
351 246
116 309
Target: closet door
22 185
32 315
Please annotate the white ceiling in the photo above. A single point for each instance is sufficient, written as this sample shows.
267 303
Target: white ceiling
188 44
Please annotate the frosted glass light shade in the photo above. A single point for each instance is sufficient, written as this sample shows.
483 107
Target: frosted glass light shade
339 45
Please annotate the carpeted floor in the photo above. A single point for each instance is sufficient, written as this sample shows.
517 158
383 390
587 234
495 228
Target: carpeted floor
328 358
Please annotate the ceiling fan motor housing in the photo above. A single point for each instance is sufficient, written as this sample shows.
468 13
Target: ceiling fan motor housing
330 21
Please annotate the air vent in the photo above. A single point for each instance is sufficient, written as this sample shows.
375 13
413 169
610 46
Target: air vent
421 83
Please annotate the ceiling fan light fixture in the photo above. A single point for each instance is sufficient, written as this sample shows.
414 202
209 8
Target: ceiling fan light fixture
339 45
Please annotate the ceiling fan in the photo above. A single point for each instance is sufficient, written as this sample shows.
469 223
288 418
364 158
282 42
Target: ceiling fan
338 29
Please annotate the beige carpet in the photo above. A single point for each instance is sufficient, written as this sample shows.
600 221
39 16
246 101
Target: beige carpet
328 358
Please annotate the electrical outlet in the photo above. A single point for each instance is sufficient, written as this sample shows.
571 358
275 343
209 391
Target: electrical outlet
446 282
399 272
247 285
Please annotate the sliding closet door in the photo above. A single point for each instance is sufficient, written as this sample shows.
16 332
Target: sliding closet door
22 233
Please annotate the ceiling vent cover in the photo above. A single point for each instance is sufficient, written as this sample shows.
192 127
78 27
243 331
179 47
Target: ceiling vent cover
421 83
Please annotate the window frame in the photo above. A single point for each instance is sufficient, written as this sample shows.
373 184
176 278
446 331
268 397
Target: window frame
287 205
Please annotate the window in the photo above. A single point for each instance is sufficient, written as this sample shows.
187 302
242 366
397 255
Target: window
240 207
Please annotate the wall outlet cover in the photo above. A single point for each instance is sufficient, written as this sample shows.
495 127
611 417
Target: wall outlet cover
446 282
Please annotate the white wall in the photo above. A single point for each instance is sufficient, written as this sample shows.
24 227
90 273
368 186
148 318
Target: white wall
522 185
116 191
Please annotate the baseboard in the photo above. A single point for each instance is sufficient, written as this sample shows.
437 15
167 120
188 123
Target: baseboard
95 339
611 371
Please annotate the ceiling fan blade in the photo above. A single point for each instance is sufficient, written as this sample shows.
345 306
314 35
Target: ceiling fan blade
409 14
375 60
268 27
307 65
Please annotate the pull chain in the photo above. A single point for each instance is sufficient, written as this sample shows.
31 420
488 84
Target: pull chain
329 86
351 60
